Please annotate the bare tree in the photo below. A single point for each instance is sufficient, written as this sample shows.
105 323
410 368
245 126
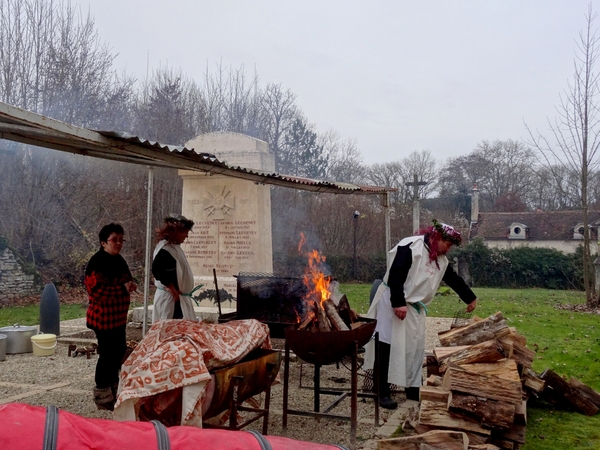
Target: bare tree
575 135
344 159
280 111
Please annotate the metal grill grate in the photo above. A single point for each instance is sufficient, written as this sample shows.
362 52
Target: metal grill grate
270 298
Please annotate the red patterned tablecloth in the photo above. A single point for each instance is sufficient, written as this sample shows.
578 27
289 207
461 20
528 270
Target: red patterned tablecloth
173 361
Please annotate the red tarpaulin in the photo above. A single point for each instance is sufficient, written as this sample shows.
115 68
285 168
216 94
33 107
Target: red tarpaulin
26 427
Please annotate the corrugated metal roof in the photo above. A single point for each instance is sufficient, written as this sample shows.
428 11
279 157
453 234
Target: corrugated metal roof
31 128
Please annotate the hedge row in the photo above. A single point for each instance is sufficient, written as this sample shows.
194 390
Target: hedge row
521 267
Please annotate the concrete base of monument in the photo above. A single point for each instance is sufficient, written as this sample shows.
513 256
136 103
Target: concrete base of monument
209 314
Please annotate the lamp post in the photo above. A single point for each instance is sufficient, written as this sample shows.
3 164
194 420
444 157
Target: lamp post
355 216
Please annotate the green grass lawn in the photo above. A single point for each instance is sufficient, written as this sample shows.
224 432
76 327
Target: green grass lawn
565 341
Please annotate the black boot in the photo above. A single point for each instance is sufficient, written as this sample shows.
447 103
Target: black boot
413 393
104 398
388 403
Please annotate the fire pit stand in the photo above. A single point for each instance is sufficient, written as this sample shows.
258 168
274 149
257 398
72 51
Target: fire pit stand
352 339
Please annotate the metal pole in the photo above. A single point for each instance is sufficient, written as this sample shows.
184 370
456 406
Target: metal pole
415 204
386 205
148 244
356 216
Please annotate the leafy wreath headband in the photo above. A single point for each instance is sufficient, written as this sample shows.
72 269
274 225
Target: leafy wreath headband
447 232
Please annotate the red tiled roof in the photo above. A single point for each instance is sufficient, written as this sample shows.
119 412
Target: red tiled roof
542 225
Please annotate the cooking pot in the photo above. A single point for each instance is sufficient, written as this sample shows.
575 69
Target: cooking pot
18 338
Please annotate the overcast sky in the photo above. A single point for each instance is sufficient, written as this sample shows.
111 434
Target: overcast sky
396 76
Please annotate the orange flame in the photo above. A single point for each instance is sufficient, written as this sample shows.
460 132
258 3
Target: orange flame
314 278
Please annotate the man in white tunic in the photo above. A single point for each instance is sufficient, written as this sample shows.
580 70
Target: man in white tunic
400 307
174 279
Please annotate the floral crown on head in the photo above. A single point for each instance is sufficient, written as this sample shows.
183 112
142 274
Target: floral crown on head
447 232
178 218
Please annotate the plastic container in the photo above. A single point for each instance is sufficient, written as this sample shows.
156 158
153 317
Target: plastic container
3 340
43 344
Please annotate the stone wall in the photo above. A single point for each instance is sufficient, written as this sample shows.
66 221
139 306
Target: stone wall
14 281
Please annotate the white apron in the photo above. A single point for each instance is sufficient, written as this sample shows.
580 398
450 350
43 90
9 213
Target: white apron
164 306
406 337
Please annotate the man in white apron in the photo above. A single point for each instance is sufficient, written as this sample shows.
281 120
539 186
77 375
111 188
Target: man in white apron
419 265
174 279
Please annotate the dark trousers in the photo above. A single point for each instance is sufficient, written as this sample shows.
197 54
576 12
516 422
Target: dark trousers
112 345
412 393
384 365
178 312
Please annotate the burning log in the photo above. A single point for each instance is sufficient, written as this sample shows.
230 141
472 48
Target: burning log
333 314
322 319
310 317
347 314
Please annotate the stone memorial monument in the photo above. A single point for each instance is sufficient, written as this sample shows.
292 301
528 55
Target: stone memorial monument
232 231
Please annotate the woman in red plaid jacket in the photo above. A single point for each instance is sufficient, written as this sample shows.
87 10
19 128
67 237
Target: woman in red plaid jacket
108 282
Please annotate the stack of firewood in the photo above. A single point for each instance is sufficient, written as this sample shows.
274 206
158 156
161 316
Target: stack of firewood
478 384
326 316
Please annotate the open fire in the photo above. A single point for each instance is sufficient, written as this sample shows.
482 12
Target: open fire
324 310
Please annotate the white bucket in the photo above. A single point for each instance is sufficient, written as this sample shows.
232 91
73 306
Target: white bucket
43 344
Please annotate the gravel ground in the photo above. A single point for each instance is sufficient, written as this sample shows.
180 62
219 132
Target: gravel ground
67 383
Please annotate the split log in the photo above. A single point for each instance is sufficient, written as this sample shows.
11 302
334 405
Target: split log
485 352
521 413
507 345
515 336
585 390
532 381
494 327
433 380
474 438
489 413
522 355
310 316
504 444
322 319
559 389
505 368
333 315
480 385
515 434
483 447
439 439
431 365
435 414
443 352
347 314
434 394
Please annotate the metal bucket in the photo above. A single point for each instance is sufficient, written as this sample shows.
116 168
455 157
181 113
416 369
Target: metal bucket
2 347
19 338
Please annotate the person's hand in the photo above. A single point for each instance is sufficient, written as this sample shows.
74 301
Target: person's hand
471 306
400 312
130 286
